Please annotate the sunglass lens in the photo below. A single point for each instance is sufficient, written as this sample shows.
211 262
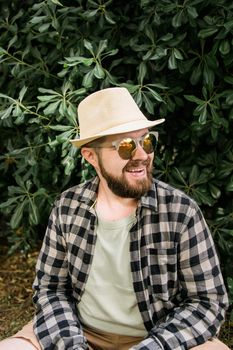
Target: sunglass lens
126 147
149 143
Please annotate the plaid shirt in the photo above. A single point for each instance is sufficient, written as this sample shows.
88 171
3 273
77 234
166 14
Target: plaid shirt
176 274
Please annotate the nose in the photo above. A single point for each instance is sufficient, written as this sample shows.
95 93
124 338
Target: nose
139 153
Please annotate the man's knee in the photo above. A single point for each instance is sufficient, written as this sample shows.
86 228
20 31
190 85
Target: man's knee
16 343
213 344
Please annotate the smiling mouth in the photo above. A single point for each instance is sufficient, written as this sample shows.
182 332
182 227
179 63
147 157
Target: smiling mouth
135 171
137 168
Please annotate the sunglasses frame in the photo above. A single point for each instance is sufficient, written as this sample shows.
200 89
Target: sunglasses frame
137 140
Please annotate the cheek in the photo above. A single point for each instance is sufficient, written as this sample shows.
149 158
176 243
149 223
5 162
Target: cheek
113 163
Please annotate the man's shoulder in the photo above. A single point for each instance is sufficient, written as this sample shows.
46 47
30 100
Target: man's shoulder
82 192
169 192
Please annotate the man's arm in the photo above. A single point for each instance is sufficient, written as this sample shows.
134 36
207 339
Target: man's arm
203 301
55 324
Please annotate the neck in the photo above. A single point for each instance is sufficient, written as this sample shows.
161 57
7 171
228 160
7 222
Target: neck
113 207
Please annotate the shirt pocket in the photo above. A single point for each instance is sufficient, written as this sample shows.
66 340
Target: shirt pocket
162 268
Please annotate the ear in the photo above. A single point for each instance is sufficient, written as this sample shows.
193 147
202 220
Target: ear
90 156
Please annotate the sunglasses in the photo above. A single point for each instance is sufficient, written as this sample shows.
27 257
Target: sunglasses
127 146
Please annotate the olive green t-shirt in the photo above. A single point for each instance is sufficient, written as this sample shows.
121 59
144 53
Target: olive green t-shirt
109 302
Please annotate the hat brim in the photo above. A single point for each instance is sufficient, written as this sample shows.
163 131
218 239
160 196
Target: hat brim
128 127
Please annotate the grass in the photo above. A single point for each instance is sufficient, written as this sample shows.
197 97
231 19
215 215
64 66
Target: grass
16 277
16 309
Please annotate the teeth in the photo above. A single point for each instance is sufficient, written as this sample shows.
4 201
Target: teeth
135 170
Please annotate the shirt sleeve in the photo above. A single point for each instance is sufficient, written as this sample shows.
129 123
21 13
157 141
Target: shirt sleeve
55 323
203 298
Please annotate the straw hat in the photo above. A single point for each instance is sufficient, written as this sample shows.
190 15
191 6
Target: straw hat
107 112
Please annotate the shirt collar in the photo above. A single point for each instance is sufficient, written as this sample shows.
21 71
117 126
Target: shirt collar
89 195
149 200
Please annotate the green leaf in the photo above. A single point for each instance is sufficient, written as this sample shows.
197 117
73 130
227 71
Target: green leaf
88 46
12 41
205 33
7 97
98 71
9 202
224 169
47 98
57 2
208 76
142 72
214 133
37 19
228 25
75 60
17 216
88 79
148 104
48 91
228 79
229 186
196 75
102 46
4 114
72 115
178 55
160 52
2 51
194 174
44 27
215 115
192 12
202 197
69 165
112 52
166 37
65 136
215 191
79 92
172 64
90 14
229 100
224 47
52 107
17 111
178 19
109 18
17 190
132 88
193 98
40 192
33 213
155 94
22 93
179 176
61 127
203 116
138 97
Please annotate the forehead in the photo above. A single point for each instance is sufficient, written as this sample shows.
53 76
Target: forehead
132 134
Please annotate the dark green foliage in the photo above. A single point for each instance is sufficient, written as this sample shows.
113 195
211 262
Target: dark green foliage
176 59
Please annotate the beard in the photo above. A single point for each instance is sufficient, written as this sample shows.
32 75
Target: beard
121 187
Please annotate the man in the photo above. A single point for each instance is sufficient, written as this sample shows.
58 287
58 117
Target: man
127 261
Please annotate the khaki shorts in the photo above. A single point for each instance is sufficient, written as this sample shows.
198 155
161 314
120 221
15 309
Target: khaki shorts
96 339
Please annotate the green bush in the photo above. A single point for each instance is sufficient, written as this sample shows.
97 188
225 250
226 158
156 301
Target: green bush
174 57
